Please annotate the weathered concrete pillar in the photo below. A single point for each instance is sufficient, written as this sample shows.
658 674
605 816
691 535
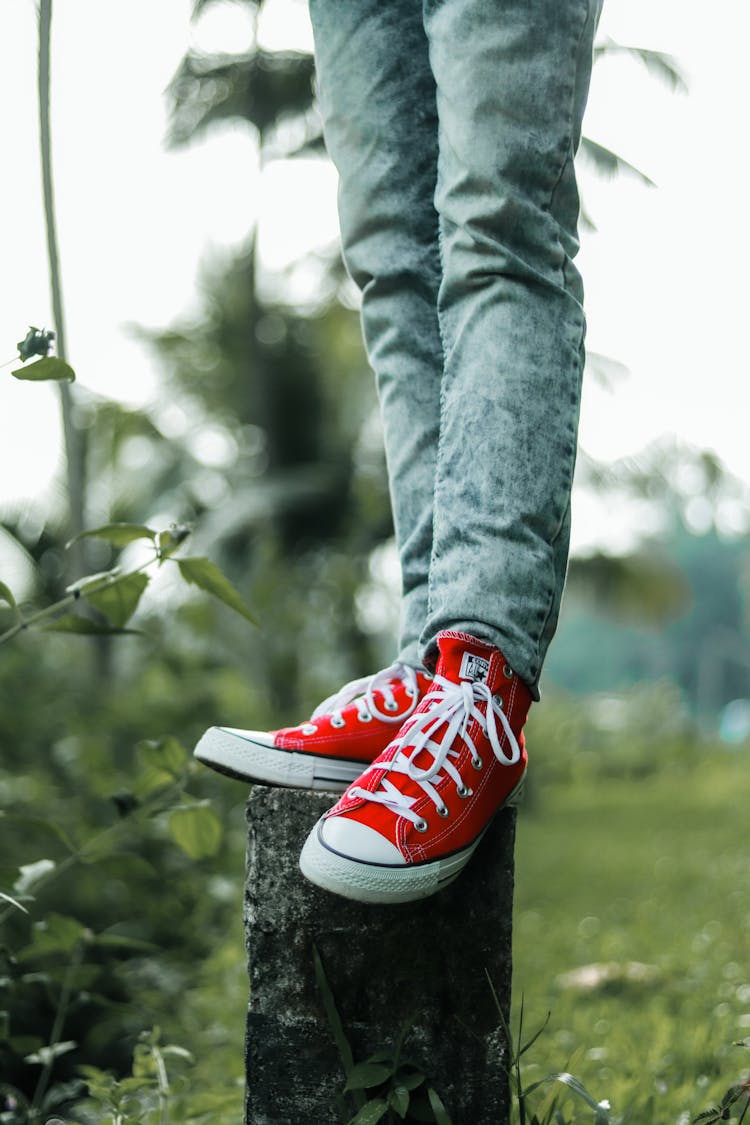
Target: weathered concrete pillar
426 962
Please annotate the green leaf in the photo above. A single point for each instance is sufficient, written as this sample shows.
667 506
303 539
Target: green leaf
177 1051
334 1019
169 541
126 945
167 754
77 978
40 826
12 901
523 1048
659 64
82 626
118 534
31 874
608 163
366 1074
411 1081
165 762
60 1093
265 87
334 1022
55 934
43 370
7 596
47 1055
601 1109
399 1100
149 783
197 830
25 1044
371 1112
207 576
119 601
91 581
436 1104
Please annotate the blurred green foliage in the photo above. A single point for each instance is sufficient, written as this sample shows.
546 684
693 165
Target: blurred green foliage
631 928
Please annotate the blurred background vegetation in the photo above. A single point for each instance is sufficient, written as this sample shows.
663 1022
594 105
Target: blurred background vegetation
267 441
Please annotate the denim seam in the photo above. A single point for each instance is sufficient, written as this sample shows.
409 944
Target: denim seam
567 148
441 430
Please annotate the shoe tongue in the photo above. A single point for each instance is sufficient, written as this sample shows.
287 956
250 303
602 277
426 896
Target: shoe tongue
463 657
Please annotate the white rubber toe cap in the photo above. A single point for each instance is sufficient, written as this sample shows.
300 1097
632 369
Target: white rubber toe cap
260 737
350 838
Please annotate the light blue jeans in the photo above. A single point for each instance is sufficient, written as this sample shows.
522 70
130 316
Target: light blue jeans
453 125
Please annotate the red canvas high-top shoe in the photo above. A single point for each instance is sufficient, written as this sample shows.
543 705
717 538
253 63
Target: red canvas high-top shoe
411 821
345 733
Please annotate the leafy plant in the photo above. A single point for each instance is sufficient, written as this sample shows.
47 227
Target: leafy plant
56 970
384 1087
115 594
145 1095
734 1105
549 1111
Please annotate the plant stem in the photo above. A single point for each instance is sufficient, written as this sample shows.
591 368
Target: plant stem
163 1081
75 443
70 600
747 1106
42 615
57 1028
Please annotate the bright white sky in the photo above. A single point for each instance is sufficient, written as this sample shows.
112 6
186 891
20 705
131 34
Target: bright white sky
665 274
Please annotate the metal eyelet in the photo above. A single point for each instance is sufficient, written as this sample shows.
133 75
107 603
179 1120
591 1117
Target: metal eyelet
309 728
508 672
392 705
477 763
443 811
421 825
499 701
464 791
365 717
338 721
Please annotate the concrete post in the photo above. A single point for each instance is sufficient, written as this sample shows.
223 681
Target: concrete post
426 962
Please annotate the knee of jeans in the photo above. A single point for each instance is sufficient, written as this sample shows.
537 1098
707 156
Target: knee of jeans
389 236
512 238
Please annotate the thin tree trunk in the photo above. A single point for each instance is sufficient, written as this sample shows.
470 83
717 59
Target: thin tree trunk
74 435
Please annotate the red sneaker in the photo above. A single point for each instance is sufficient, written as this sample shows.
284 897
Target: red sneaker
345 733
411 822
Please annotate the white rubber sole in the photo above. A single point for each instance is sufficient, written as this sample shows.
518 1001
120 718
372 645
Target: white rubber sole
381 882
247 760
377 882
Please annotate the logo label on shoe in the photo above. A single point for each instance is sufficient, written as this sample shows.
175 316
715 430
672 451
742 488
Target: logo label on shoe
474 667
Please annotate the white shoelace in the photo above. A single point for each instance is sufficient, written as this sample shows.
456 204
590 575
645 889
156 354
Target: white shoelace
454 708
363 691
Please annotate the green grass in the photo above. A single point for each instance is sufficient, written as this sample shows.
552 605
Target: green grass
653 870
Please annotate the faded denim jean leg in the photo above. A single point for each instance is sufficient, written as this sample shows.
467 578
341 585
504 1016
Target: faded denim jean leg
377 96
453 127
